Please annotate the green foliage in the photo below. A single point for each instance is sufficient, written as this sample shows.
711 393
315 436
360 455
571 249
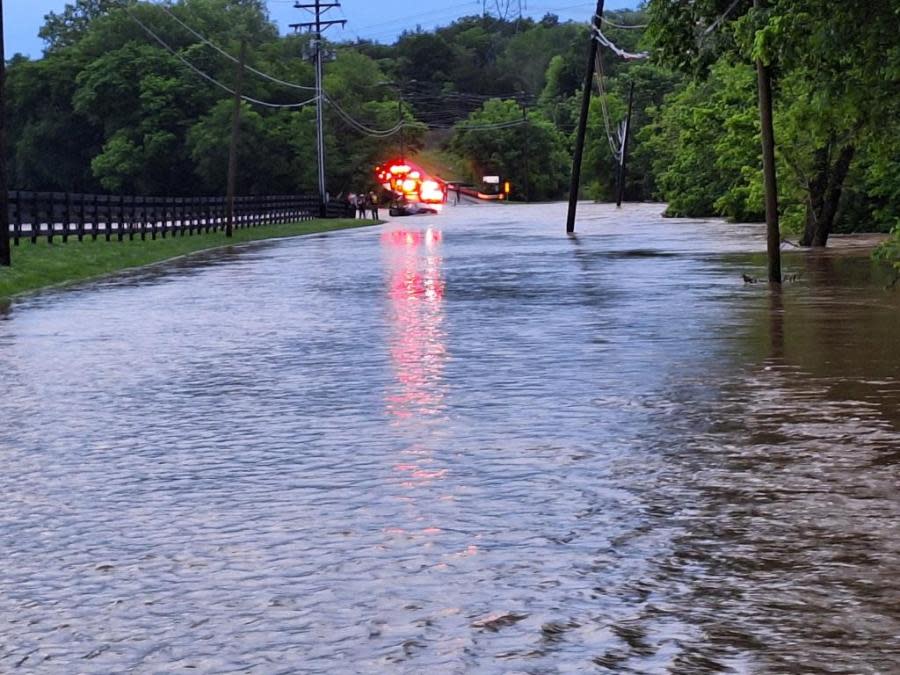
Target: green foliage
511 152
879 169
528 54
836 65
62 29
148 124
651 85
108 108
890 250
704 146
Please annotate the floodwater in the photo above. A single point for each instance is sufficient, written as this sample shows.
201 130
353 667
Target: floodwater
464 443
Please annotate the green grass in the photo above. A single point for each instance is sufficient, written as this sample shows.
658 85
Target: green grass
36 266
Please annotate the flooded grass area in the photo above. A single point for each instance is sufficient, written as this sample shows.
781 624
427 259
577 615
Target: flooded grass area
463 443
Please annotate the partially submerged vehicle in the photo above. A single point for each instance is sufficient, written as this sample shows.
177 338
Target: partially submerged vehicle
402 207
413 191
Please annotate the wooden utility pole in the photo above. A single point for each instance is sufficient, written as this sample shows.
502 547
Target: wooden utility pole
623 160
5 253
527 163
773 234
575 183
235 138
402 139
318 8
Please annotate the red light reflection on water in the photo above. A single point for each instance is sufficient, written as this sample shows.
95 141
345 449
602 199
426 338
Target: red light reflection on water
417 347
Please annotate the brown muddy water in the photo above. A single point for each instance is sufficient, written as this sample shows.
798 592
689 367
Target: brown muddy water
464 443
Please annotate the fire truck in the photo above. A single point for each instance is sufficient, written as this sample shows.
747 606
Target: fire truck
413 190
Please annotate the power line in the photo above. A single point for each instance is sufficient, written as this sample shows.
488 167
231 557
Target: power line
721 18
343 114
607 119
210 78
606 42
224 53
359 126
623 26
461 125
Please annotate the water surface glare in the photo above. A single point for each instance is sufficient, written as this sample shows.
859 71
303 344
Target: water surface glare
464 443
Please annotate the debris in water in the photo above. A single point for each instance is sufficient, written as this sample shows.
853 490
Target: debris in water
495 622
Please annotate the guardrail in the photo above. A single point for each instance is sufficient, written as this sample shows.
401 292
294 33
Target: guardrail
50 215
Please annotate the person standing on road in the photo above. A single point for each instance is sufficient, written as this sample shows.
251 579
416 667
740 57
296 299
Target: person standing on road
361 204
373 205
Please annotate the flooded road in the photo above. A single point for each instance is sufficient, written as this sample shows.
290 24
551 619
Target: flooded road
463 443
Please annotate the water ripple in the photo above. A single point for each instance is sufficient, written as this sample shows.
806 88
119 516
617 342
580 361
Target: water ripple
456 444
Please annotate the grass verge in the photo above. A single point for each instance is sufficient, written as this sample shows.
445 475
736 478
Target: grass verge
36 266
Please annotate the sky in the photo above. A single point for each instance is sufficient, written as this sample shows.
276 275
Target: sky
380 21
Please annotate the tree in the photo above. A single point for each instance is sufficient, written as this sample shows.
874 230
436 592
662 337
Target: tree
704 146
652 84
44 154
542 170
836 68
845 60
63 29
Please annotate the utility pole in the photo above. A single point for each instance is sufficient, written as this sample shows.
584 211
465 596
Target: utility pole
402 139
623 161
235 135
527 150
773 234
318 8
582 123
5 253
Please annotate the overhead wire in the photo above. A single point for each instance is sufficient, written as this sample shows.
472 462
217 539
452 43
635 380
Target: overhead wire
385 133
597 34
342 113
359 126
210 78
462 126
231 57
420 99
607 119
638 26
606 42
715 24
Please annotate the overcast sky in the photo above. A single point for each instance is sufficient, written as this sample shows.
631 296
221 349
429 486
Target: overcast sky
381 21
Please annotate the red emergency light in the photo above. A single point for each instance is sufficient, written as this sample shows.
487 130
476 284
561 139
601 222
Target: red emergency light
411 182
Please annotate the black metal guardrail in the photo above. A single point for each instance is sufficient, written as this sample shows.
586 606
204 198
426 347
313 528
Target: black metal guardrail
50 215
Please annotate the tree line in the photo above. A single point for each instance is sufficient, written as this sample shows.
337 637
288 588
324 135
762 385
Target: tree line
109 108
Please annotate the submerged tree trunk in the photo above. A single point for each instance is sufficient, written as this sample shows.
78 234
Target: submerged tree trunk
825 189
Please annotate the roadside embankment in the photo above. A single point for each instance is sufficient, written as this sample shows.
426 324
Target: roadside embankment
41 265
